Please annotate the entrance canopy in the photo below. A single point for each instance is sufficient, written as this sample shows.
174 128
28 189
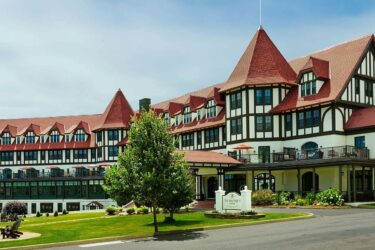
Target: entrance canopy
208 159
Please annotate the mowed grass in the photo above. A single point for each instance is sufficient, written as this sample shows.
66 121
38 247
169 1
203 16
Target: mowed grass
85 226
369 205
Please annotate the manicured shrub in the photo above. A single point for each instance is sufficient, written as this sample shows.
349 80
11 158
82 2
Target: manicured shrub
283 198
55 214
111 210
330 197
142 210
263 197
15 208
65 212
130 211
47 214
310 198
38 214
300 202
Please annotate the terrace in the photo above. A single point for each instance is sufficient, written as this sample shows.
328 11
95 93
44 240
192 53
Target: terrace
295 155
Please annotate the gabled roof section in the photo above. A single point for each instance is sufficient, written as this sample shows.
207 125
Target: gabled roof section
343 60
118 113
57 126
12 130
175 108
261 63
196 102
32 127
215 95
361 118
318 66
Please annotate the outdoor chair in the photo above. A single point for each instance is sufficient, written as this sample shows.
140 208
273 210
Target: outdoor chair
12 232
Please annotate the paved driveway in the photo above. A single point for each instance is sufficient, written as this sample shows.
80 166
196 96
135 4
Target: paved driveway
330 229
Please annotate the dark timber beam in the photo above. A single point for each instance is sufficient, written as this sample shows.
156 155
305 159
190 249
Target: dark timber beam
313 179
299 181
354 185
348 183
340 179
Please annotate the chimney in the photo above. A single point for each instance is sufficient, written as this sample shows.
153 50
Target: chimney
144 104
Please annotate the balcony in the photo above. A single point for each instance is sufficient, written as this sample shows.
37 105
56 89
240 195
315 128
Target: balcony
289 154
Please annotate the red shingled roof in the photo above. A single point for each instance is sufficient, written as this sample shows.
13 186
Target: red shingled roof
361 118
118 113
318 66
343 60
261 63
209 157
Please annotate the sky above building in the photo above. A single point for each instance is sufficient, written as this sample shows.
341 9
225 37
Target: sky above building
70 57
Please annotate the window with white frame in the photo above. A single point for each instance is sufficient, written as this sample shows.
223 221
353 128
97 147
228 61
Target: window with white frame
167 118
6 139
80 135
54 136
30 137
308 84
187 115
211 109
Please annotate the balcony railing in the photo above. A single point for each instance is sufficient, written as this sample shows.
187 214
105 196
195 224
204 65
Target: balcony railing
301 155
80 175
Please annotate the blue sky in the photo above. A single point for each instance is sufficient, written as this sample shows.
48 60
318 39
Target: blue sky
70 57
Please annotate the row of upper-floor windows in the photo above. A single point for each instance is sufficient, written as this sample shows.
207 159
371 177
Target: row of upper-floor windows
263 96
55 137
113 151
210 136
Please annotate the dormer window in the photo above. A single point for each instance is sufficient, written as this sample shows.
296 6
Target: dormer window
6 139
54 136
167 119
187 115
30 137
308 84
80 135
211 109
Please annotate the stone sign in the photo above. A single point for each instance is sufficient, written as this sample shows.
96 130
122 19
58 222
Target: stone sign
232 201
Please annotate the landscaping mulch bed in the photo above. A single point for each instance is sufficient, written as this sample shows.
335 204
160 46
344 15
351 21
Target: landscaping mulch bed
233 216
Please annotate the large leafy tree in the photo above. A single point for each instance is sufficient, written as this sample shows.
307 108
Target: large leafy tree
143 173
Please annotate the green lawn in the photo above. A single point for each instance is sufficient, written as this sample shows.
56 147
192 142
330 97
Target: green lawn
96 225
370 205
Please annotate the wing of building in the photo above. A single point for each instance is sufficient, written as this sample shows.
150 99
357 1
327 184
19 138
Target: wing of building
299 126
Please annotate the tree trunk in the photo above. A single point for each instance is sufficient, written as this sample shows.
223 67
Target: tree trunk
171 214
155 217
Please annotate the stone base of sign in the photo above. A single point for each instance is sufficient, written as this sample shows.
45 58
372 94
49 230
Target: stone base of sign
233 201
233 215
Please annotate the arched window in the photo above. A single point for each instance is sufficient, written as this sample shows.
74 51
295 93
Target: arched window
309 150
264 181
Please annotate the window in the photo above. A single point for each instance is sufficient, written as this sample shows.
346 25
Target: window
113 135
236 126
309 118
167 119
112 151
263 123
99 136
187 115
55 154
288 122
308 84
6 156
80 135
54 136
211 135
80 153
67 138
31 155
263 97
30 137
6 139
369 89
356 86
188 140
199 137
93 154
100 152
235 100
301 120
359 142
211 109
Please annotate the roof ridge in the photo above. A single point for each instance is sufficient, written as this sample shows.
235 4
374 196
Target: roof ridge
45 117
330 47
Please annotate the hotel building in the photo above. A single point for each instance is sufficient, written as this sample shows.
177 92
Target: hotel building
300 126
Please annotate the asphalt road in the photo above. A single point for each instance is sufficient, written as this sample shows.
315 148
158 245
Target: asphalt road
330 229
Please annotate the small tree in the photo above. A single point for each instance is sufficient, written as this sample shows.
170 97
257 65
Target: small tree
143 171
180 188
15 207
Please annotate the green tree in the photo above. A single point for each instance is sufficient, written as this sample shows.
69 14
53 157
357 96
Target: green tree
143 172
180 188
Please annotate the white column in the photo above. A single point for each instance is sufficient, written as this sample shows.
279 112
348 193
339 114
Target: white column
38 206
219 200
373 179
29 207
246 199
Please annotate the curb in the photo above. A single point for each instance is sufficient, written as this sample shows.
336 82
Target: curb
103 239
